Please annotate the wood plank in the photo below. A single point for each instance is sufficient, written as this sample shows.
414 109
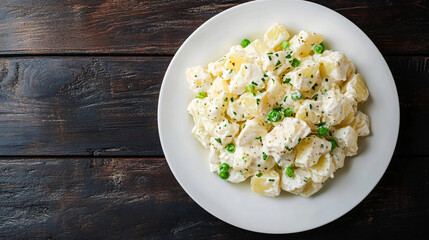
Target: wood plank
160 27
80 106
139 198
107 105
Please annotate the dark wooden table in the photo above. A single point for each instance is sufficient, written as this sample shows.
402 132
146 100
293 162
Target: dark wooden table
80 153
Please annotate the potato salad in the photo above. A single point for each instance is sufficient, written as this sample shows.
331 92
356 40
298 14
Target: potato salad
282 111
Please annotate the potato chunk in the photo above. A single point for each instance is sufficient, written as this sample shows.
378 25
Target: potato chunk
276 35
356 89
309 150
267 183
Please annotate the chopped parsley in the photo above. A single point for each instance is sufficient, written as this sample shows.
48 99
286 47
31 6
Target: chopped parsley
315 97
264 156
287 80
315 86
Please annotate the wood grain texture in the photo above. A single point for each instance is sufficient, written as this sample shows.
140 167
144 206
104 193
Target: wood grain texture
160 27
139 198
107 105
81 106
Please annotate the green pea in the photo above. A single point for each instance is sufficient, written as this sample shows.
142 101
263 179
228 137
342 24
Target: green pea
318 48
250 88
245 42
296 95
295 62
285 44
322 130
289 171
288 112
224 175
334 144
224 167
274 116
202 95
230 148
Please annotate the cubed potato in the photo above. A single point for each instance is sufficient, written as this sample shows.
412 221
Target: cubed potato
356 89
302 43
309 150
275 36
266 182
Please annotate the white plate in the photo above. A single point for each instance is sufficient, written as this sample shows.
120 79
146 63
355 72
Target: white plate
235 203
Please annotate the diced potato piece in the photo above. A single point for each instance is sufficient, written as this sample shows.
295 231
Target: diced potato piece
287 101
311 188
197 110
226 157
251 105
356 89
347 120
249 74
335 65
215 102
323 169
252 134
276 62
199 79
361 124
285 136
202 135
242 158
302 43
237 176
214 155
347 139
275 36
232 64
309 150
286 160
256 49
297 182
305 76
268 183
338 157
274 94
336 107
310 112
214 167
246 156
246 107
216 68
262 163
225 131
